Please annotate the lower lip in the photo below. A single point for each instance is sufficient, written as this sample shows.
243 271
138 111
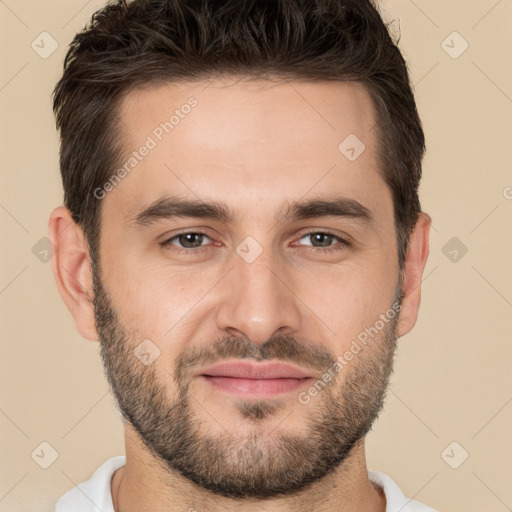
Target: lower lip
258 387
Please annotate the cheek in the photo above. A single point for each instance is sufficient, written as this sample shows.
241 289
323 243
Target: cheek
161 302
349 298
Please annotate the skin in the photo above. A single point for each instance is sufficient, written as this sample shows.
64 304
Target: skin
255 147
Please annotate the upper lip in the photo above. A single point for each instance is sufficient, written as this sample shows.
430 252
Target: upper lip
248 370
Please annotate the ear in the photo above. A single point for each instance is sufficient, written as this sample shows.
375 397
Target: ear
71 266
415 261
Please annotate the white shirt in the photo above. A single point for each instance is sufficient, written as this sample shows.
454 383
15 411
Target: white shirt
94 495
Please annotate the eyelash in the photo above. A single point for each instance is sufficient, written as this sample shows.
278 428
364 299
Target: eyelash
341 245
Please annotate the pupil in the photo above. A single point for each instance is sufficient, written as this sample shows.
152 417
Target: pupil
187 240
323 239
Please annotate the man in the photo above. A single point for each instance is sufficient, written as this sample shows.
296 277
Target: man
243 235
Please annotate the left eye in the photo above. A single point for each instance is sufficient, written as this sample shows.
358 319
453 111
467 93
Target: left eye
321 239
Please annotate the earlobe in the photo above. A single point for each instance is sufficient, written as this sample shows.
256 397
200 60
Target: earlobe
414 266
71 266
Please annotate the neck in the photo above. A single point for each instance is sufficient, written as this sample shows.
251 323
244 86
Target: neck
144 484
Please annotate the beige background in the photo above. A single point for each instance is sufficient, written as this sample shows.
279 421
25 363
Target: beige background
452 380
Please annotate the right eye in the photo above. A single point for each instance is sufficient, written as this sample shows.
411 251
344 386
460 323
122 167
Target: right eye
188 240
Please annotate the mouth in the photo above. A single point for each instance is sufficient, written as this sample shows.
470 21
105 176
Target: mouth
255 379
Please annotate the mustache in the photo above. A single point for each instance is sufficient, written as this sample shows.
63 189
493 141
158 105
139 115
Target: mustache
283 348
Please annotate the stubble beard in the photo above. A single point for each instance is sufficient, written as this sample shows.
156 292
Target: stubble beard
255 463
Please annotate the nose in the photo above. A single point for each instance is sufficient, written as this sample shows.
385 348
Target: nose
258 301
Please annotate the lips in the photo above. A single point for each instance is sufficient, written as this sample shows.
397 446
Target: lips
248 379
248 370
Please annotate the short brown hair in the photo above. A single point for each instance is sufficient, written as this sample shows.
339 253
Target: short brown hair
129 44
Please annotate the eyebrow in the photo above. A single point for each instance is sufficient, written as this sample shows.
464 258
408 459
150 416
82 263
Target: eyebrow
169 207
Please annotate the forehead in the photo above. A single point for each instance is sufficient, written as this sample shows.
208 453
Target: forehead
255 108
227 139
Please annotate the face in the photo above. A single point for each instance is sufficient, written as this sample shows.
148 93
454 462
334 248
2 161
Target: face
245 235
